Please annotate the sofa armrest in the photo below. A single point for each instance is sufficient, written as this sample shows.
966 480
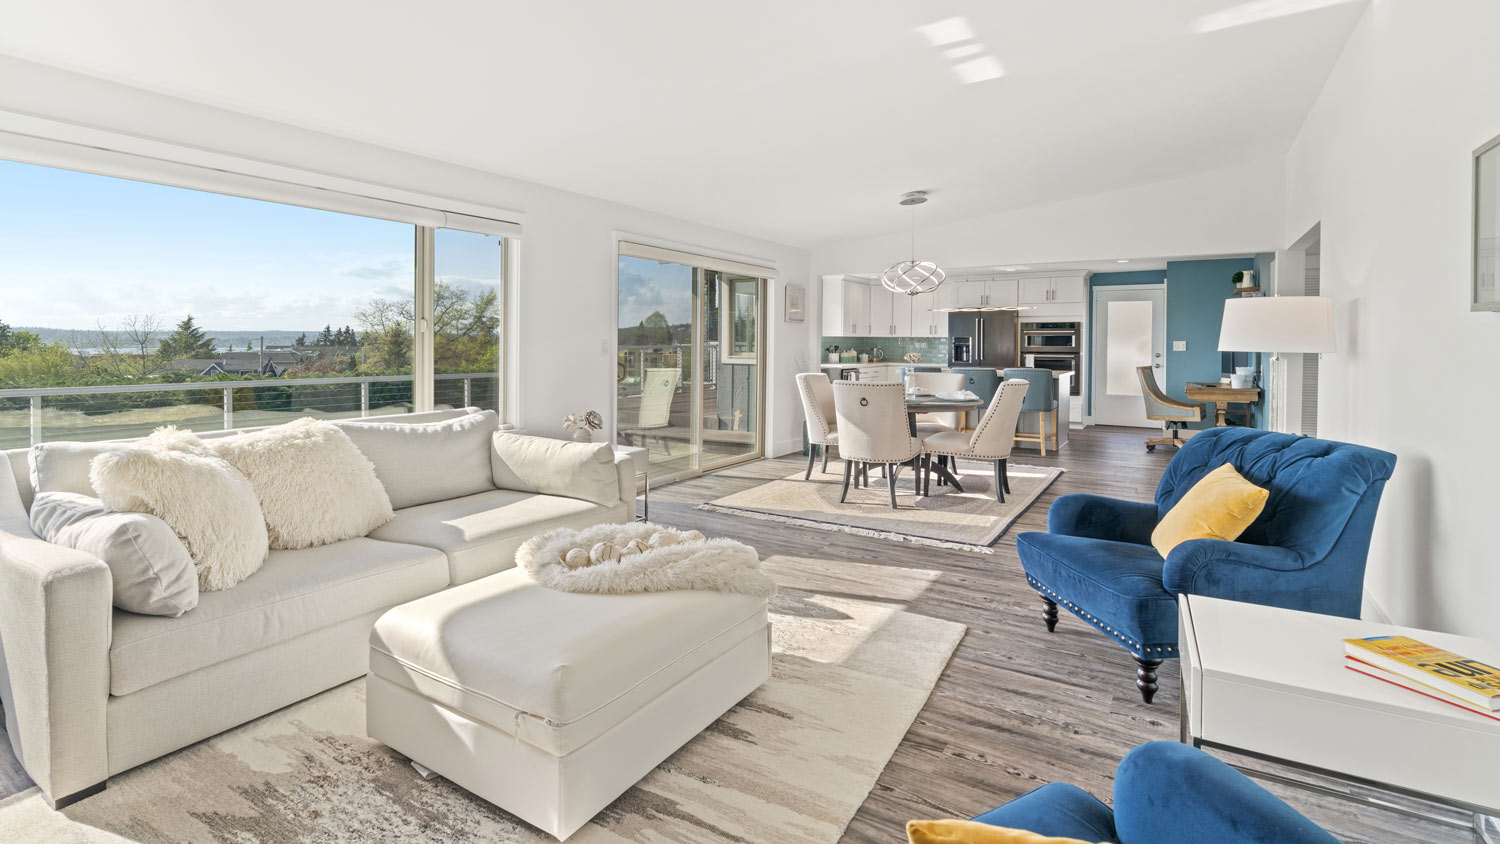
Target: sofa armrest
1170 793
625 469
1237 571
1097 517
55 618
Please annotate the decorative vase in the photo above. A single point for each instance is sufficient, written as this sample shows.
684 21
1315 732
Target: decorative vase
583 435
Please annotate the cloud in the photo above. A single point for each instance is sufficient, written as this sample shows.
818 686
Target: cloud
380 270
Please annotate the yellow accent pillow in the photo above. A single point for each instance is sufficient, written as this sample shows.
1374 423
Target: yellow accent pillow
972 832
1219 506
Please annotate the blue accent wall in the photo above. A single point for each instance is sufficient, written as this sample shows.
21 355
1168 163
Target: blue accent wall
1196 291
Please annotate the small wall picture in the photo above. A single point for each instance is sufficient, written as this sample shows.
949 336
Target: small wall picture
796 299
1485 291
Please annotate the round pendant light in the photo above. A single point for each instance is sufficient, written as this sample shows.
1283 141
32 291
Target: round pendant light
913 277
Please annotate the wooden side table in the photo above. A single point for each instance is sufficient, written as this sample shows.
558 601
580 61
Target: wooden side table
1271 684
1221 396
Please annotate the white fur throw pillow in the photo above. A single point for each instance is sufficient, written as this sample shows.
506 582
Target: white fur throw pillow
208 503
314 485
642 557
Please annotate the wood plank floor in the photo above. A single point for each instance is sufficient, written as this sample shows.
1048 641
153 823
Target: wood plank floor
1016 707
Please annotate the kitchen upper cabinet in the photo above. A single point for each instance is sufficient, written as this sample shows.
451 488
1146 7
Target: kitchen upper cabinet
882 312
1056 290
904 316
968 294
1000 293
856 309
1034 291
1068 289
925 322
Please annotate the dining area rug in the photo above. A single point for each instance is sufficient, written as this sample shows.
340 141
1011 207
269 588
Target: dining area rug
970 520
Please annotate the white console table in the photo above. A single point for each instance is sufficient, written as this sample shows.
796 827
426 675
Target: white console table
1271 684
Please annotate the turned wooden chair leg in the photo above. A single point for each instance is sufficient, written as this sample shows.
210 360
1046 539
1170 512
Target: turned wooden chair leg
848 470
999 483
812 455
1049 613
1145 677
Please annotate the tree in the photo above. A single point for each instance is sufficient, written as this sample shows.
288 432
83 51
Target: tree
127 350
186 341
301 340
654 330
386 325
5 338
325 338
249 347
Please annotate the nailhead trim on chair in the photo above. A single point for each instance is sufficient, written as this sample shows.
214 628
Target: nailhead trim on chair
1129 644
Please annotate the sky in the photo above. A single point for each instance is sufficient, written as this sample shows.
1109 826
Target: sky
77 249
647 286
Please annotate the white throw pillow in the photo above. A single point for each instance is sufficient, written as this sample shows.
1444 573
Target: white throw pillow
555 467
64 466
431 461
209 503
314 485
149 567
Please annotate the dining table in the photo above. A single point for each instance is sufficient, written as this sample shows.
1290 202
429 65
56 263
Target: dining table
932 404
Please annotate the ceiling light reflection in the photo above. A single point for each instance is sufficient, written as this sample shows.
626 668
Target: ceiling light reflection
1259 10
947 31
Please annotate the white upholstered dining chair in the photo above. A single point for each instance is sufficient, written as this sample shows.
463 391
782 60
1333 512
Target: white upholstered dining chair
938 382
991 440
817 408
873 428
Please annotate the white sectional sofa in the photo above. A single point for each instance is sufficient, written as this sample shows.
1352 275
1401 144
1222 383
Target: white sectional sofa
90 691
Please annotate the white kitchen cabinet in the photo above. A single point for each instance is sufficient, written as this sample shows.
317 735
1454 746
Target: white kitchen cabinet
856 308
1000 293
1067 289
832 314
904 316
1034 291
969 294
925 321
882 307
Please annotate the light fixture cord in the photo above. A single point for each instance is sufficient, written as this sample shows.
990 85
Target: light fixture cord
914 234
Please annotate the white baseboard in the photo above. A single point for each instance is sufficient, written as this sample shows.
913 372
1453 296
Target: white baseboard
785 447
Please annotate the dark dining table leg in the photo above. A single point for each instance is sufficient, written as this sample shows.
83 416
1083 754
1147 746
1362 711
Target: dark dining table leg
944 476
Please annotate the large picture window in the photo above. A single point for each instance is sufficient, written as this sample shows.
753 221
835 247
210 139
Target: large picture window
129 305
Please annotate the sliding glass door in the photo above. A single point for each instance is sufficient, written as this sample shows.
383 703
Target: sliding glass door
689 372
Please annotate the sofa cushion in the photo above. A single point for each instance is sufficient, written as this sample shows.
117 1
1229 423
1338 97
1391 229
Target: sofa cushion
426 462
64 466
480 533
555 467
295 592
1116 586
149 567
314 484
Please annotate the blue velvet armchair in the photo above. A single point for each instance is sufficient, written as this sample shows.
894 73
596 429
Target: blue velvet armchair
1165 793
1306 551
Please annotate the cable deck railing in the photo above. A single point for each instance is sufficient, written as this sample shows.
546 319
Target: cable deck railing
30 415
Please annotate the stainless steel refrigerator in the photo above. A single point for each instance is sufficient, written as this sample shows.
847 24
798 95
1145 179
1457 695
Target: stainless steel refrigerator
983 339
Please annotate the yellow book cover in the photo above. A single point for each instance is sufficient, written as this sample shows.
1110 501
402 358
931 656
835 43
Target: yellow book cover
1468 679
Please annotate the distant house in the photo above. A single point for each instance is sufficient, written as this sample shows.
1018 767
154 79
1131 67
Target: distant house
272 364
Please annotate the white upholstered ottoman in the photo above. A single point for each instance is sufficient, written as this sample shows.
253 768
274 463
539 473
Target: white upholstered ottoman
551 704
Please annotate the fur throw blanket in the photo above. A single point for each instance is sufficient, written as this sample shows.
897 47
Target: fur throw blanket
642 557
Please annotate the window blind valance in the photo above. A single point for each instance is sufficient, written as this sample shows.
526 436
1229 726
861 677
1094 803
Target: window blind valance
147 168
630 249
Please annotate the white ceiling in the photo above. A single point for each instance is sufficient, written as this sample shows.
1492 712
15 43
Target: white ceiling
801 122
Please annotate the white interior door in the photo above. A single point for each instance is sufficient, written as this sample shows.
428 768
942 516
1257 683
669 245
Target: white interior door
1130 329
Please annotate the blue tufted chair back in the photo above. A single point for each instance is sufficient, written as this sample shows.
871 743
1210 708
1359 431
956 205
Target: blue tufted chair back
1323 493
1042 394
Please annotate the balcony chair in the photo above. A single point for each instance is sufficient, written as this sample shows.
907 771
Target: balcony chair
1042 400
1306 550
817 408
991 440
658 386
873 428
1165 793
1163 408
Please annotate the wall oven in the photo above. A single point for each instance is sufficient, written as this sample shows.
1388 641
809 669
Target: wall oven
1051 338
1056 363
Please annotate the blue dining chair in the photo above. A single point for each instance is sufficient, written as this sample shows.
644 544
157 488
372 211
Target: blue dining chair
1041 399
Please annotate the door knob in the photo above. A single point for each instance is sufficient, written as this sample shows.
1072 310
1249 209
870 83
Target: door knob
1156 366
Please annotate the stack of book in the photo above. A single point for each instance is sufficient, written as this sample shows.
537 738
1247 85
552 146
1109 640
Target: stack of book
1426 670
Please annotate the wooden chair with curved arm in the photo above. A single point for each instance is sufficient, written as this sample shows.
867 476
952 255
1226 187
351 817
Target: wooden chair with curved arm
1161 407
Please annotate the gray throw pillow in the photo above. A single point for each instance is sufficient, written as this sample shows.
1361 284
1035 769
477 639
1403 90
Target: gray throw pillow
149 565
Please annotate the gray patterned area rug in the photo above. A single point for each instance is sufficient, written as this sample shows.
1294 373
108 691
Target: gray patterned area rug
971 520
791 763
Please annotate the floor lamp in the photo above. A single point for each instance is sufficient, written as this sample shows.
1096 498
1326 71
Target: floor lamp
1278 325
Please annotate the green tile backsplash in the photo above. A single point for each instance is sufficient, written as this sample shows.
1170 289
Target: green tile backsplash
932 349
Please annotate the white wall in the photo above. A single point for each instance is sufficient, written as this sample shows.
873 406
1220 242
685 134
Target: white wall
566 295
1383 162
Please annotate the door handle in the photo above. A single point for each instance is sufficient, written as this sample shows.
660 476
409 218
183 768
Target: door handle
1156 366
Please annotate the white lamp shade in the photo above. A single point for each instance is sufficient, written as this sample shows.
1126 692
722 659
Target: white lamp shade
1277 324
